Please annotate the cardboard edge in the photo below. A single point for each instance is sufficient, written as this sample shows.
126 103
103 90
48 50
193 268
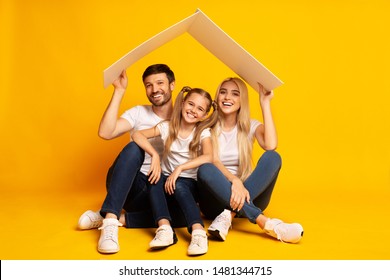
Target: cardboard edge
113 71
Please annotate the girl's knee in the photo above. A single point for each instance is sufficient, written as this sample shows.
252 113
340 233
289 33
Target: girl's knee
181 192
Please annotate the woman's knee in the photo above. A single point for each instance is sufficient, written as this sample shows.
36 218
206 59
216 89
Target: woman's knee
205 169
272 156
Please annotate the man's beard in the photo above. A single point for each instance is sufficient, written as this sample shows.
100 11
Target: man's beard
161 102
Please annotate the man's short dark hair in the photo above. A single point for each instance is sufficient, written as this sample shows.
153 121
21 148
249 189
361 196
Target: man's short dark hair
157 69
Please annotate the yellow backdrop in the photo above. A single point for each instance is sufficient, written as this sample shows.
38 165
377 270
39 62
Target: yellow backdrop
332 113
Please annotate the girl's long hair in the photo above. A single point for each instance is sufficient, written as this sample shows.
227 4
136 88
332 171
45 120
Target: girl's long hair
174 124
245 145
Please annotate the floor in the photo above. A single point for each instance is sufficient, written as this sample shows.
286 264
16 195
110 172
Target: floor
346 226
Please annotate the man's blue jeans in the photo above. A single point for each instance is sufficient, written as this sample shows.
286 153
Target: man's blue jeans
127 188
215 189
185 194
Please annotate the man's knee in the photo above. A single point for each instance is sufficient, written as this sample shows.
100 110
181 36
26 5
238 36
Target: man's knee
132 152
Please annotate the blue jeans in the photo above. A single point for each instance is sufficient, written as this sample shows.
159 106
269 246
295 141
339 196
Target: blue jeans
186 196
127 188
215 189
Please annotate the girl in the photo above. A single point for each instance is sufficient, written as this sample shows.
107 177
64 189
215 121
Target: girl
230 184
188 144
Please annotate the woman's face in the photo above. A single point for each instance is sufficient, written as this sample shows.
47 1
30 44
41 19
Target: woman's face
229 98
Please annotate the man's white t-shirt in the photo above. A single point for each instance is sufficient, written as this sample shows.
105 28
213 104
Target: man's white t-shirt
180 152
142 117
228 146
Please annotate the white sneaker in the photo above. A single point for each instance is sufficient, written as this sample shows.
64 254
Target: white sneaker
219 228
291 233
199 243
90 220
108 241
165 236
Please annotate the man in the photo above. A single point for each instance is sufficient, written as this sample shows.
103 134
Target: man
127 178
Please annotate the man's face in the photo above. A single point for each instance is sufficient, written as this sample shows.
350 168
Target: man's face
158 89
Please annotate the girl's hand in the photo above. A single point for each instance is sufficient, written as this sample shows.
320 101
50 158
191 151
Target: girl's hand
170 184
155 170
239 195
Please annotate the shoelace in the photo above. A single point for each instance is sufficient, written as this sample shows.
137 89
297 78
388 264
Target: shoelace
110 230
280 231
197 239
95 221
224 221
162 234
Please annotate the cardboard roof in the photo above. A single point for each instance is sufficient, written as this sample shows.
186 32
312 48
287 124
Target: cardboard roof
213 38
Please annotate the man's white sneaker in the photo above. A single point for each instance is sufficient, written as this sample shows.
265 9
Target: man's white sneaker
108 241
284 232
219 228
90 220
199 243
165 236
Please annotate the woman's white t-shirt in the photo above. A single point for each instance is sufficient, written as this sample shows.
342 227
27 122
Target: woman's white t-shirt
228 146
180 152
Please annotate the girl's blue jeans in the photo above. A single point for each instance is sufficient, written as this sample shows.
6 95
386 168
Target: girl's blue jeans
185 194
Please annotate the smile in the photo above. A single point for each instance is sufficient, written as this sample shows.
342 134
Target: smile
191 116
156 96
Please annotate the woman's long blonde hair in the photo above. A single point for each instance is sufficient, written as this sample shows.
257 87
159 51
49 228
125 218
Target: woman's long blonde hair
174 124
245 145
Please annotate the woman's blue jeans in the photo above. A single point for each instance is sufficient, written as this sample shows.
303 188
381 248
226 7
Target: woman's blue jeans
215 189
186 196
127 188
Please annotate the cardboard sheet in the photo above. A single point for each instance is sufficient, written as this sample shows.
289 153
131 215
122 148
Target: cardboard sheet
213 38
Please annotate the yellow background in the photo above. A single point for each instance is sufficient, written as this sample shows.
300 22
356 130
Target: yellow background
332 116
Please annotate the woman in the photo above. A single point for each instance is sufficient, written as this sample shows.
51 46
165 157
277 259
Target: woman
229 185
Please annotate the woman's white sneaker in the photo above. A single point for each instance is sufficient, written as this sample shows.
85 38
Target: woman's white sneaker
284 232
219 228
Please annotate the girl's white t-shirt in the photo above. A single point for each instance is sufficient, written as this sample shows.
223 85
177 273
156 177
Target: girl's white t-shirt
228 146
142 117
180 152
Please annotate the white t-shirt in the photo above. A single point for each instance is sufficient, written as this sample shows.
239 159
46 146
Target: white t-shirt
228 146
143 117
180 152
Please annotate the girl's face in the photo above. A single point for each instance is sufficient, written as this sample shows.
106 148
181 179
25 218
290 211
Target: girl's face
228 99
194 108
